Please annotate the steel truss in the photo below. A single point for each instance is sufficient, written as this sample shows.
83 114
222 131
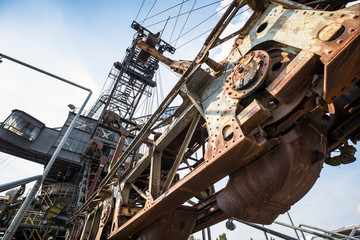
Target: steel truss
267 116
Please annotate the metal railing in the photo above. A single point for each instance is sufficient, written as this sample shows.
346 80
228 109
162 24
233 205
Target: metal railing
312 231
10 232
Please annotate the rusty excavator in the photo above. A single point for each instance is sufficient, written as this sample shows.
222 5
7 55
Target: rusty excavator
268 116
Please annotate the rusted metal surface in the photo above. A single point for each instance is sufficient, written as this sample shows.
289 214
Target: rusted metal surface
253 115
291 4
268 120
105 217
176 225
267 187
248 74
344 65
180 154
209 213
151 40
155 173
94 151
112 122
177 66
293 78
213 169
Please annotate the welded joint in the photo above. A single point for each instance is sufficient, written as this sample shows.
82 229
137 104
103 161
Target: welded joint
193 98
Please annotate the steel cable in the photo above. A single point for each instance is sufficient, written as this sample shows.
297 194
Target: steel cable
165 10
172 33
208 31
196 9
187 18
142 22
140 10
201 22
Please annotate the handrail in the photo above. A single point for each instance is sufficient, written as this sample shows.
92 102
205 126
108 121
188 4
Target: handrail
10 185
25 205
330 232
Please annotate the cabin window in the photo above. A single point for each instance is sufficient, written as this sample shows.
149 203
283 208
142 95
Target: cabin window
18 125
81 124
72 145
107 134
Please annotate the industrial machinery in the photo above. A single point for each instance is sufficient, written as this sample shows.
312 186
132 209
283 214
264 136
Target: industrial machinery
268 116
86 154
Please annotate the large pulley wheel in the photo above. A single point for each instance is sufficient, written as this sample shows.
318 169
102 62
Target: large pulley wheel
247 74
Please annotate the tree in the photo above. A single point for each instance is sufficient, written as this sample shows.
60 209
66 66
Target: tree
192 238
222 237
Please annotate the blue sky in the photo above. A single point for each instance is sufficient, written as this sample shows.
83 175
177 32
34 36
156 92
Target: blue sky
80 40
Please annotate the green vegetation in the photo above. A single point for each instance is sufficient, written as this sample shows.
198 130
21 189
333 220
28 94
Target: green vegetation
192 238
222 237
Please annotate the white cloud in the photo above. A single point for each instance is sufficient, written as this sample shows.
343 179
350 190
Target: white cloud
233 26
86 57
221 9
46 41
